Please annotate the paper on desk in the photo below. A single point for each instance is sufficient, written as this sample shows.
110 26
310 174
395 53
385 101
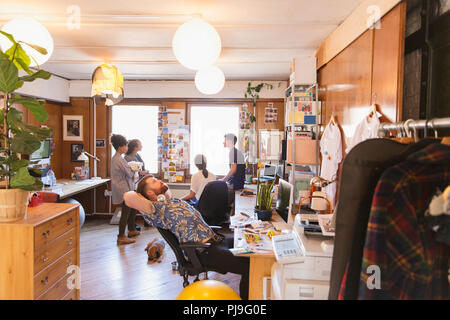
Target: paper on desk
263 246
240 220
325 225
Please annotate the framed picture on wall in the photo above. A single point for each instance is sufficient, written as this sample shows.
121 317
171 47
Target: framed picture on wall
72 128
100 143
75 151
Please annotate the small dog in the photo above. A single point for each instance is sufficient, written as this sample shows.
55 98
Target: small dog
155 250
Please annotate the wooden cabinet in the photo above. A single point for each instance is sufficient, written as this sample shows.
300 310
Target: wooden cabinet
36 252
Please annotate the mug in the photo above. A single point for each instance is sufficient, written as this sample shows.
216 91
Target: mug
319 202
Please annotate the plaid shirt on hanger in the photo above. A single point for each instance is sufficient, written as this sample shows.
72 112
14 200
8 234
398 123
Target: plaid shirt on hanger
412 264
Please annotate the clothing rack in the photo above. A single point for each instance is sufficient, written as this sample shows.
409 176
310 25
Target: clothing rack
413 125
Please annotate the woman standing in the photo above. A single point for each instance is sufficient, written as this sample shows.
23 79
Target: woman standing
122 180
135 146
199 180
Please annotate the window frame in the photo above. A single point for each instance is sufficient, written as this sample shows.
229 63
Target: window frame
142 103
220 104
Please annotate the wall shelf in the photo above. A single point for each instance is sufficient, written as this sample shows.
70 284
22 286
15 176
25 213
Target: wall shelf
291 128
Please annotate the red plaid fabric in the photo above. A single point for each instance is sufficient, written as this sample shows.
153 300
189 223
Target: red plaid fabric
413 265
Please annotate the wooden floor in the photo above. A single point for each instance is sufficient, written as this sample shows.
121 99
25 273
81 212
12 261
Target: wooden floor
110 272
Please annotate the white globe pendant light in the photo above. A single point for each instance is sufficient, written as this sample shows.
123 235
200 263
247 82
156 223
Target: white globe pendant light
31 31
210 80
196 44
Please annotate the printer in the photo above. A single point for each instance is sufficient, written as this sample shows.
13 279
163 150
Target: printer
308 279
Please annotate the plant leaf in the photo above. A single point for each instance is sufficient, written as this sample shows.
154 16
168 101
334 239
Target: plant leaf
22 178
9 36
16 165
34 105
9 75
24 143
14 116
40 133
19 85
20 58
39 49
34 187
41 74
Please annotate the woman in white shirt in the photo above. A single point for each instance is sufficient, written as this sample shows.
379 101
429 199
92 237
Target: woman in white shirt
199 180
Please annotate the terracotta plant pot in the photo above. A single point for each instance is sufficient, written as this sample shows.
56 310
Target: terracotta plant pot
264 215
13 204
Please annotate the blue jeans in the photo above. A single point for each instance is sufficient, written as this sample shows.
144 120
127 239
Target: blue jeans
193 202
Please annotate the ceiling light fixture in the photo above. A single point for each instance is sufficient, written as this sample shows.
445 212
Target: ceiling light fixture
31 31
210 80
196 44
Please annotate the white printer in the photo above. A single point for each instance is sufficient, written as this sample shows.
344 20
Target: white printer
306 276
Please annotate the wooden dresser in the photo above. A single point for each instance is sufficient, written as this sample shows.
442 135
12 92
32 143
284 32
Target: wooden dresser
35 254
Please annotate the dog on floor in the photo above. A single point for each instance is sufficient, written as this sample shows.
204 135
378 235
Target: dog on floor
155 249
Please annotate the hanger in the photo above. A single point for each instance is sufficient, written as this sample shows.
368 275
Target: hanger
332 120
446 140
403 135
374 110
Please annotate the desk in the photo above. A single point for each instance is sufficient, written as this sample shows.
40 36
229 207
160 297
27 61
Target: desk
260 263
67 188
70 188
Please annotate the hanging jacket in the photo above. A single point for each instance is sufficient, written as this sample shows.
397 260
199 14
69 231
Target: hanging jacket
360 173
331 149
413 265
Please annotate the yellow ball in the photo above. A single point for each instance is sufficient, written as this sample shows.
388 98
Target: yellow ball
208 290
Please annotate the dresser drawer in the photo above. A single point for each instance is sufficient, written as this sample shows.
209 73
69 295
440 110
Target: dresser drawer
51 252
52 229
72 295
58 291
50 275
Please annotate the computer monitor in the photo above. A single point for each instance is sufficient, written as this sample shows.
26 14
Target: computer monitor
269 170
284 202
43 153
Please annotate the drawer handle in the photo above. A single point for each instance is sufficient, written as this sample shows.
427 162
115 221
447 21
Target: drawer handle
69 242
44 258
69 221
46 234
44 281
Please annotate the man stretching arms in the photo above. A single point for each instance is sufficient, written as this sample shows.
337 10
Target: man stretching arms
187 225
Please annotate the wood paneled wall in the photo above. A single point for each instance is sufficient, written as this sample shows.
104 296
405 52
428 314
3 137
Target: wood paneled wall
352 28
368 71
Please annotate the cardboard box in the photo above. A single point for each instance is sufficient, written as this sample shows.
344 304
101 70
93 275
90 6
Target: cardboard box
305 151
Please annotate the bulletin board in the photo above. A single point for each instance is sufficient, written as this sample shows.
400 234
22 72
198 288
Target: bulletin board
173 144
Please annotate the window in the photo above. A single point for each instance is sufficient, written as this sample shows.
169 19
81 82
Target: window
139 122
209 124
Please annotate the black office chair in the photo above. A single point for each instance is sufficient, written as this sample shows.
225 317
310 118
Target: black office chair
214 205
188 256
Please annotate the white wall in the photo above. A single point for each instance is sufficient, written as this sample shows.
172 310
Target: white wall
59 89
179 89
55 88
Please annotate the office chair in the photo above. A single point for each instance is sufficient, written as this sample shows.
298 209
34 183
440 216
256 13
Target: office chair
214 204
188 256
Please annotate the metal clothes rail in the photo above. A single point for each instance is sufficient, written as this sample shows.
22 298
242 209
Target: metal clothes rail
410 126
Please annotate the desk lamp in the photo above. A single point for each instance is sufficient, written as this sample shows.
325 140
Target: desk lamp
84 157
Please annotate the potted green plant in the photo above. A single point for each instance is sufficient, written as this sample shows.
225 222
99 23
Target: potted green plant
264 198
253 93
18 138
